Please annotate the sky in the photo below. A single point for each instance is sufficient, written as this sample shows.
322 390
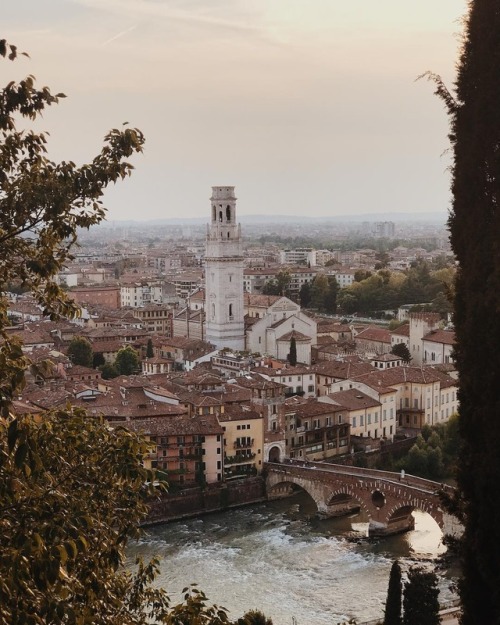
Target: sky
307 107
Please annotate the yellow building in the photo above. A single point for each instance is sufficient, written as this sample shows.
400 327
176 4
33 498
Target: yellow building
243 440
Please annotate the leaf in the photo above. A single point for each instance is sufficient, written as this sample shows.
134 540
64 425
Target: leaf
12 434
20 455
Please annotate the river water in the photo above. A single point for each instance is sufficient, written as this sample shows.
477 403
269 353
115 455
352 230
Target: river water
278 557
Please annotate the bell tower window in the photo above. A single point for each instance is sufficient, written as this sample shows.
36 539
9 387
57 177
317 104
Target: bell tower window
228 213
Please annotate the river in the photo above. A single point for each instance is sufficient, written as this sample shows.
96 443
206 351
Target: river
278 557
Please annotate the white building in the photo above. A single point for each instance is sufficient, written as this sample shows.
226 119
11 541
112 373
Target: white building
224 273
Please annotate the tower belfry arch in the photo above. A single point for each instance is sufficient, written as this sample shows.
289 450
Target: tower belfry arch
224 273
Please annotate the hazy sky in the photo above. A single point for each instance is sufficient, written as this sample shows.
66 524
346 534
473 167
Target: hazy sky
306 106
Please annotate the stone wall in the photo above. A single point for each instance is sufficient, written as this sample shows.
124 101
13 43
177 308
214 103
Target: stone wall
212 498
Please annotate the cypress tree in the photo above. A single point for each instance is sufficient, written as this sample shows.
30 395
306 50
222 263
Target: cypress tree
394 592
474 222
149 349
421 604
292 356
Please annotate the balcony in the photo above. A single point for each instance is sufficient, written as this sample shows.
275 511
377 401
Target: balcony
238 459
242 444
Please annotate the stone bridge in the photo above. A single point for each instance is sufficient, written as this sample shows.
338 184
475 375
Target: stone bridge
387 498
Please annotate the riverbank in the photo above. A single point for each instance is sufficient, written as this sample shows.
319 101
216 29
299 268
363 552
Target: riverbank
199 500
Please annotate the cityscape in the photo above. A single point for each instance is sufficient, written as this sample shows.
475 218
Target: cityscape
248 344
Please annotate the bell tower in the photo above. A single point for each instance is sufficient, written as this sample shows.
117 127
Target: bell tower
224 273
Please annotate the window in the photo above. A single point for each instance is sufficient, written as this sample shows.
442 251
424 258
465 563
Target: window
354 422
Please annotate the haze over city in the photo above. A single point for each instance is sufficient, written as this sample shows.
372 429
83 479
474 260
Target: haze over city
307 108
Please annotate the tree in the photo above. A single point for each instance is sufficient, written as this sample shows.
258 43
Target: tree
401 350
305 295
394 594
292 356
319 291
254 617
127 361
42 204
271 287
330 299
420 602
80 352
98 360
149 349
474 226
109 371
74 492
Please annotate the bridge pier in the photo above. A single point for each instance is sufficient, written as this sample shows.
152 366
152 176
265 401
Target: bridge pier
338 510
394 526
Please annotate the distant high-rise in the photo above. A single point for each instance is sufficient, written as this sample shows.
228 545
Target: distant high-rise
224 273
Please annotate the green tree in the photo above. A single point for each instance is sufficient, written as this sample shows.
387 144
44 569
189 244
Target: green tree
305 295
80 351
420 602
149 349
319 291
98 360
401 350
474 226
127 361
271 287
330 299
292 356
109 371
394 596
42 204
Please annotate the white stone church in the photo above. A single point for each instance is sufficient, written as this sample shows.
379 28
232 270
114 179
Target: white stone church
256 323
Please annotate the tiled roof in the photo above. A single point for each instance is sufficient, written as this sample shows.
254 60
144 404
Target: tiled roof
353 399
446 337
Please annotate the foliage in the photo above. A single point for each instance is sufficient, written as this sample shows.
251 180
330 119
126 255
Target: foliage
73 493
420 602
109 371
280 286
401 350
305 295
98 360
42 204
127 361
149 349
292 356
80 352
324 291
254 617
394 595
386 290
434 455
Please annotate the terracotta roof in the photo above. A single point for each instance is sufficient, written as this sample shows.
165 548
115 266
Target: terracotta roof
403 330
203 425
353 399
298 336
446 337
262 301
235 412
373 333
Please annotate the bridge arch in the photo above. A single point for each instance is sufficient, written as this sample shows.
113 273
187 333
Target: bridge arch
287 487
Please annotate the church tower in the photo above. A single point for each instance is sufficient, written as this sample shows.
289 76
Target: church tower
224 273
